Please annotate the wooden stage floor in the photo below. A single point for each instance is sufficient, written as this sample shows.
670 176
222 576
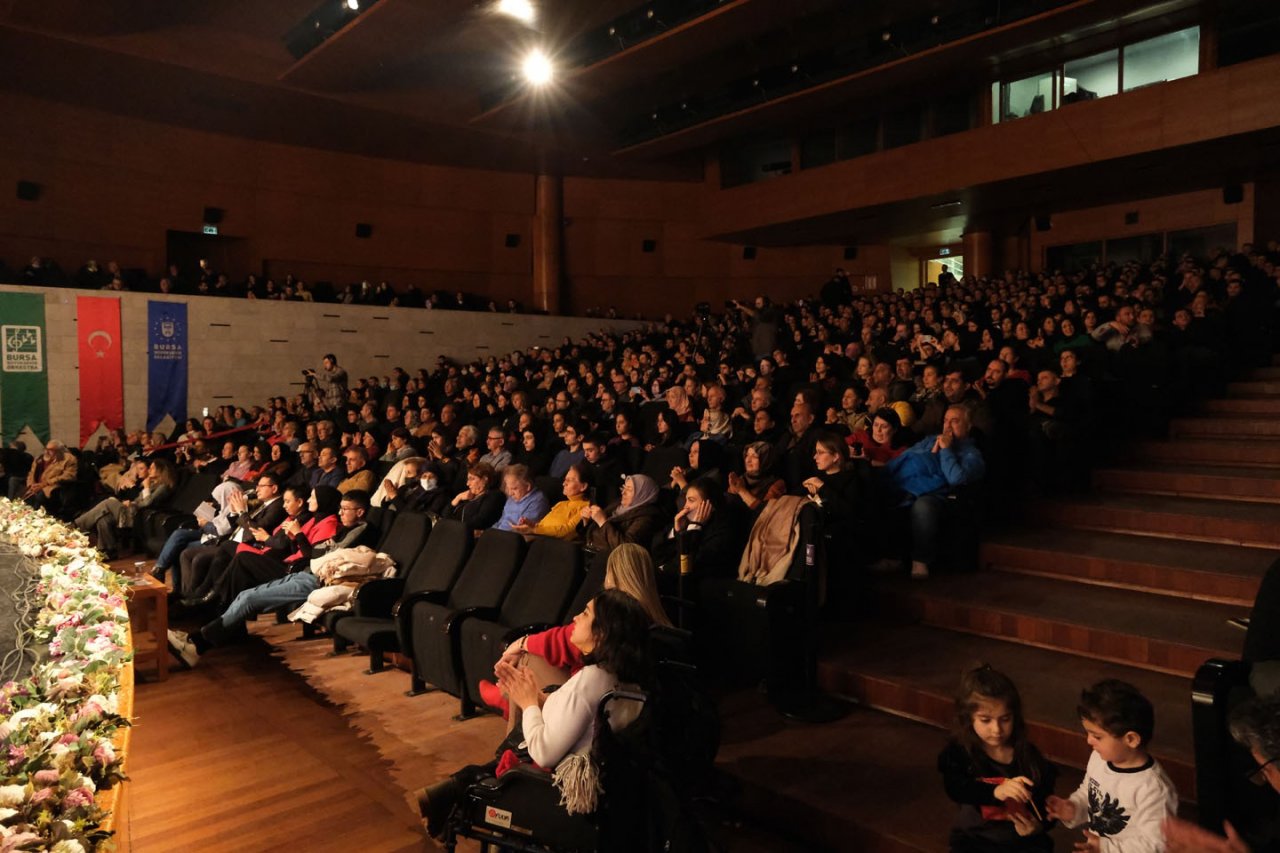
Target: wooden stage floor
268 746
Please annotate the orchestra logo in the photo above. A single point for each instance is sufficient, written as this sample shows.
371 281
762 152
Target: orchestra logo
23 349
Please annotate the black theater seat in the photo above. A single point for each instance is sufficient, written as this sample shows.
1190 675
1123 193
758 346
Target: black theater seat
371 623
551 573
429 618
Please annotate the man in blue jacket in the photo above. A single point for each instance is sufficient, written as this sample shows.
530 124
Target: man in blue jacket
926 473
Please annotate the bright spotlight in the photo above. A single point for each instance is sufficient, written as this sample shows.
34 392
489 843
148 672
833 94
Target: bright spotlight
537 68
521 10
353 5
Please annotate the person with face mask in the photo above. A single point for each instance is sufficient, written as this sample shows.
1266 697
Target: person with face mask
419 491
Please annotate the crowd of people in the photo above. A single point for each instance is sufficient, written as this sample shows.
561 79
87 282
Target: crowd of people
204 280
908 419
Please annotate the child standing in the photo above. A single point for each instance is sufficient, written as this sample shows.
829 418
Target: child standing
999 779
1125 795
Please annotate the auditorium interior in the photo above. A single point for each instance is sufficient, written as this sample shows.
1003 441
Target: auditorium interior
700 425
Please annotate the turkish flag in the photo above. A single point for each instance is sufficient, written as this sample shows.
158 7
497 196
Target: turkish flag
101 373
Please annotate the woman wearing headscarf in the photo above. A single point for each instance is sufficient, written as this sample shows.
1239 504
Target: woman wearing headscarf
635 517
757 483
706 459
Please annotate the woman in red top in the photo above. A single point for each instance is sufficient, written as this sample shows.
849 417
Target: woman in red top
551 656
288 549
882 442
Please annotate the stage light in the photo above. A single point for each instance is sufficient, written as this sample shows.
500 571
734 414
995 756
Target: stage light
537 68
353 5
521 10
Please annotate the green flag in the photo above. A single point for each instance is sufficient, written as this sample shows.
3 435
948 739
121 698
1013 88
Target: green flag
24 366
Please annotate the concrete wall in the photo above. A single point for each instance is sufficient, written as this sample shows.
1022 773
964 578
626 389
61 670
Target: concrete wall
243 351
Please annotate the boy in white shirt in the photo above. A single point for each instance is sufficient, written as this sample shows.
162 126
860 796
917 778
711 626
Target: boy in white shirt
1125 796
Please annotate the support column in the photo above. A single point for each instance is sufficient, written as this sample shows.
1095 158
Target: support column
548 244
977 253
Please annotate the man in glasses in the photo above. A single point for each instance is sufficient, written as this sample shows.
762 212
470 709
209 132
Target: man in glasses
1255 725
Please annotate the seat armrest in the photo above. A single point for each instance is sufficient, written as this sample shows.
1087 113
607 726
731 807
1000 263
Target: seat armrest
378 597
453 629
457 617
402 612
525 630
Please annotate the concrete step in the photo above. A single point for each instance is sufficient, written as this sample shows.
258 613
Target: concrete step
1212 481
1252 387
1208 451
1242 406
865 782
913 670
1248 523
1227 574
1169 635
1226 426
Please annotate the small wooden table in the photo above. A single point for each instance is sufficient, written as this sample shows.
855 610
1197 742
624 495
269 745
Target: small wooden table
149 620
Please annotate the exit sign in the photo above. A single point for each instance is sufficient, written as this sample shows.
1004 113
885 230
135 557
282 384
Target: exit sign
942 252
211 230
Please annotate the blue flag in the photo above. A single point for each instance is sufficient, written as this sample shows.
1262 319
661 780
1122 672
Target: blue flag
166 362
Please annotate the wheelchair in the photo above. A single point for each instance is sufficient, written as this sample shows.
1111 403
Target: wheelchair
646 768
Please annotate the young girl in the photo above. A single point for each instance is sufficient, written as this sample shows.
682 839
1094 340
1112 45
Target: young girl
989 764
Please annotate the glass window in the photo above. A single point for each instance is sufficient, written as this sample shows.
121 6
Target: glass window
818 149
1199 242
1073 258
953 114
1143 248
995 102
902 127
1157 60
861 137
748 162
1092 77
1029 96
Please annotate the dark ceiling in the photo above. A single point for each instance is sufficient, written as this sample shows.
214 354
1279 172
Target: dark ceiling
432 80
416 79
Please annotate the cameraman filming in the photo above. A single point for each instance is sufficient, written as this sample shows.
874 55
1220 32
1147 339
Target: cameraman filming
328 388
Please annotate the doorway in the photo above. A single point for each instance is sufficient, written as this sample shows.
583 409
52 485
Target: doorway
228 255
935 267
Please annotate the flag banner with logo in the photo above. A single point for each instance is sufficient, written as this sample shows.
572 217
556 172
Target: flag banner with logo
101 365
166 362
24 367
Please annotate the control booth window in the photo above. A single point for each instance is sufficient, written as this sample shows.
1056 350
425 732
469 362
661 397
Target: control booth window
1028 96
1163 58
1092 77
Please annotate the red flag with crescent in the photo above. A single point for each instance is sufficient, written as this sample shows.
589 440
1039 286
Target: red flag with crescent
101 372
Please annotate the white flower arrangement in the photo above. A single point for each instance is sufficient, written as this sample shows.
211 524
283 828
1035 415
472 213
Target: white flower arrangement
56 749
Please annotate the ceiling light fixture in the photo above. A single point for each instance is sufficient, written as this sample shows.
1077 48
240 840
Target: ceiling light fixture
353 5
537 68
521 10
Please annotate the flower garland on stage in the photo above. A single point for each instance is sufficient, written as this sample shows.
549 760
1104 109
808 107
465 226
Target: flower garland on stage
56 748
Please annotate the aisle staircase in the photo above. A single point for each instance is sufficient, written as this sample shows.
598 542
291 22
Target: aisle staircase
1134 581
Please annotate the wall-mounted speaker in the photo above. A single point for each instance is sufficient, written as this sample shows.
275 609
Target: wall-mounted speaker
213 215
28 190
748 253
648 246
1044 223
1232 194
850 253
363 230
511 241
1131 218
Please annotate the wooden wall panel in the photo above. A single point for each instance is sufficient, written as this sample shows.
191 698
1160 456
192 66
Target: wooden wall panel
1240 99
